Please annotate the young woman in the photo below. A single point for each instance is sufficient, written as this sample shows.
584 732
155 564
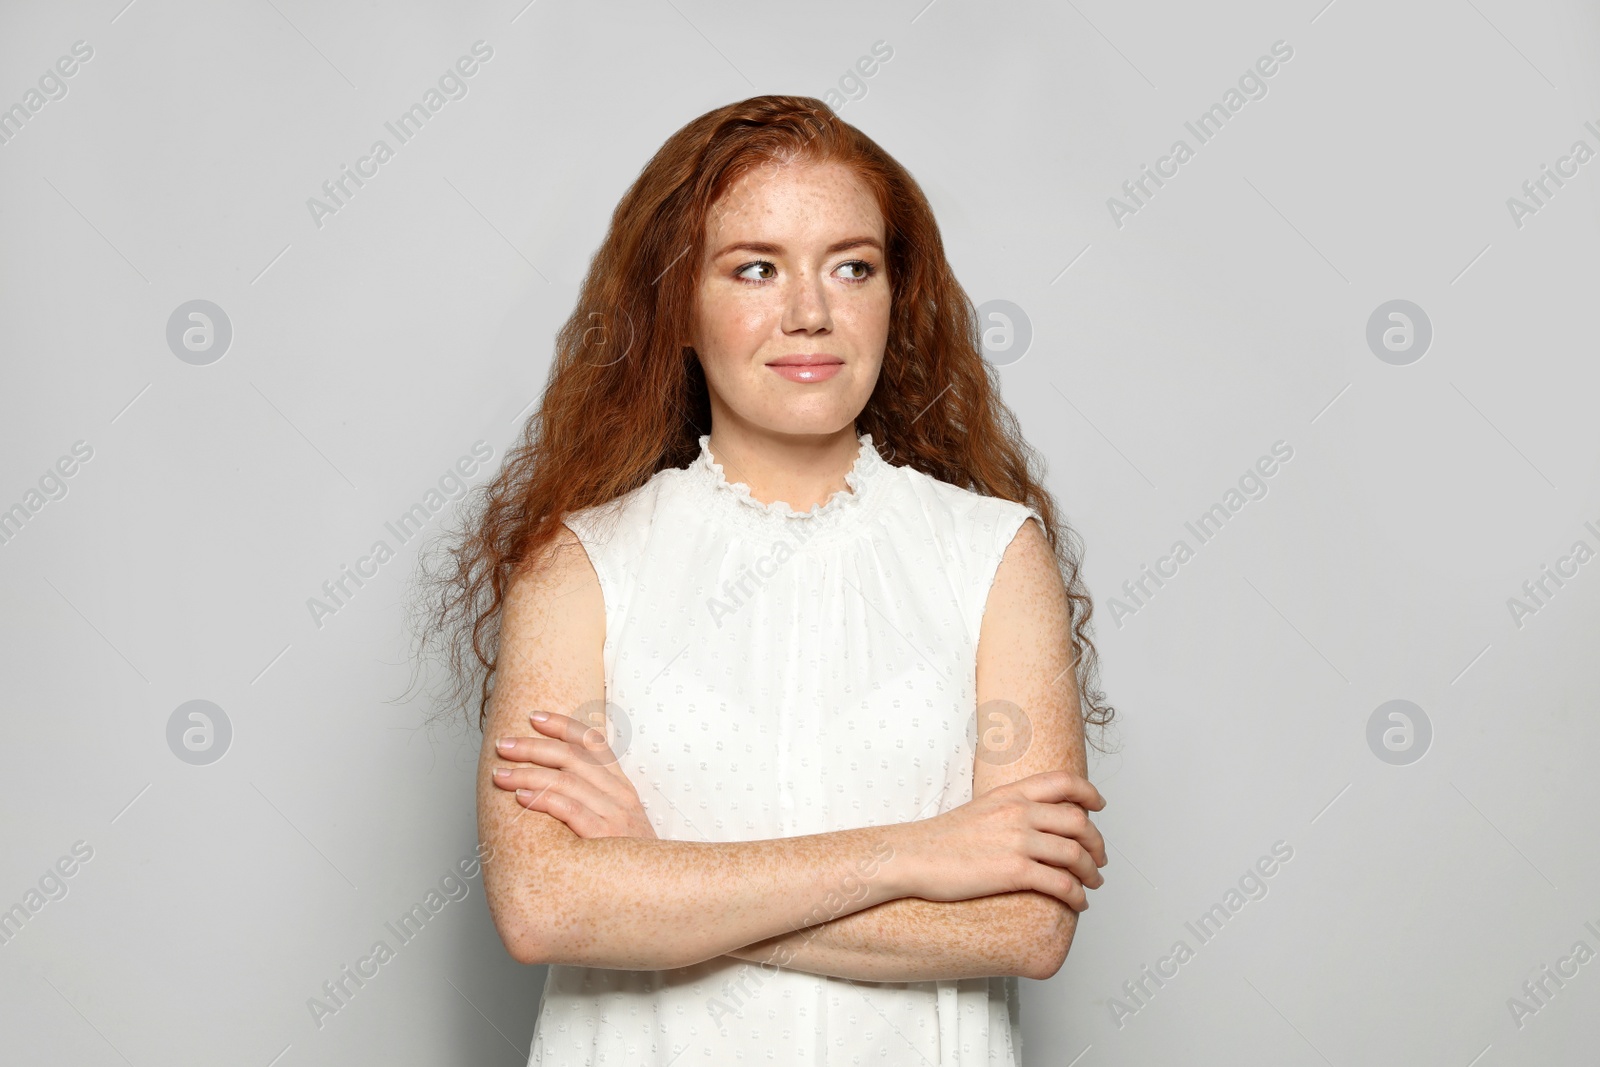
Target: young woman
783 755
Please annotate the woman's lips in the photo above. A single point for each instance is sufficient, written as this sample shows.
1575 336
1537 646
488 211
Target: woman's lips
816 372
806 372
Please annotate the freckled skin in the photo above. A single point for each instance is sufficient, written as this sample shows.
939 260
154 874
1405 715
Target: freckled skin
791 441
621 902
645 904
1024 656
1022 650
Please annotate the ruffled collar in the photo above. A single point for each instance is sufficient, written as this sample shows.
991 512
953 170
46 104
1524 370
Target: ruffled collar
863 473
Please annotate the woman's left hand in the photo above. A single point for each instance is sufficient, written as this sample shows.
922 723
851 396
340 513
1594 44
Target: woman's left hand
572 775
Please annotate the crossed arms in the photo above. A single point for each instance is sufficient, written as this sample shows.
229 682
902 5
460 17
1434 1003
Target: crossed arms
851 904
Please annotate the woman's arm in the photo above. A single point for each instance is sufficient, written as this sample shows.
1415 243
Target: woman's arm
633 903
1023 655
914 940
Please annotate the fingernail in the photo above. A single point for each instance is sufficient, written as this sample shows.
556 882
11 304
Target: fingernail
504 742
501 772
539 716
525 794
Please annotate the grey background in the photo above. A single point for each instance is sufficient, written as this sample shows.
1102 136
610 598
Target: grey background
1167 355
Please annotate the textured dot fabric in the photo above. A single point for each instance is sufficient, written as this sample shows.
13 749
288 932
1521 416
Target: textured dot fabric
772 673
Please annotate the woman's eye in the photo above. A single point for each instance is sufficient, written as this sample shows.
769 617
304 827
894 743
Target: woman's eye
863 270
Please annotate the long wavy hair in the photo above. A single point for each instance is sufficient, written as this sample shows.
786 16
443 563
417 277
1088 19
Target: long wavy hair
624 399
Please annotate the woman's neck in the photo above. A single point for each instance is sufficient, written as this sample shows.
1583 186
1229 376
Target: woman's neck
798 469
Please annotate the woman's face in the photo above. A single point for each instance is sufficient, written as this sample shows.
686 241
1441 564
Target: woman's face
794 267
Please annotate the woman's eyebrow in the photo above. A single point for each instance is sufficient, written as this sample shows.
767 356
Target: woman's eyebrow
764 248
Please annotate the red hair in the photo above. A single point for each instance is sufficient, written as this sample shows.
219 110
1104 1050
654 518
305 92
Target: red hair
623 400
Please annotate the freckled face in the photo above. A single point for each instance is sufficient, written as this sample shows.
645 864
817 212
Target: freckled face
794 272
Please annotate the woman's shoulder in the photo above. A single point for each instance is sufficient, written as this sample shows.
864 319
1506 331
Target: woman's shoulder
628 516
969 533
971 517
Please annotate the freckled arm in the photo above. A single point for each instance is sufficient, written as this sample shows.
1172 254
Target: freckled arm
1024 651
635 903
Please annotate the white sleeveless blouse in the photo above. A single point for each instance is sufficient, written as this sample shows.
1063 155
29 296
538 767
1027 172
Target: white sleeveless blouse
771 673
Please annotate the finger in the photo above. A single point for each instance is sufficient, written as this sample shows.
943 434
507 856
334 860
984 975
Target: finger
579 819
1056 882
588 744
558 794
561 755
1078 789
1069 855
1054 786
524 777
588 738
565 783
1068 820
545 751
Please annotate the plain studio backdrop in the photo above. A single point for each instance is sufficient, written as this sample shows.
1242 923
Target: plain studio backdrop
1342 350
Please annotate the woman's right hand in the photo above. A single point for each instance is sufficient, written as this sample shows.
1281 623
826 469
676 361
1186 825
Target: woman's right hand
1033 833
